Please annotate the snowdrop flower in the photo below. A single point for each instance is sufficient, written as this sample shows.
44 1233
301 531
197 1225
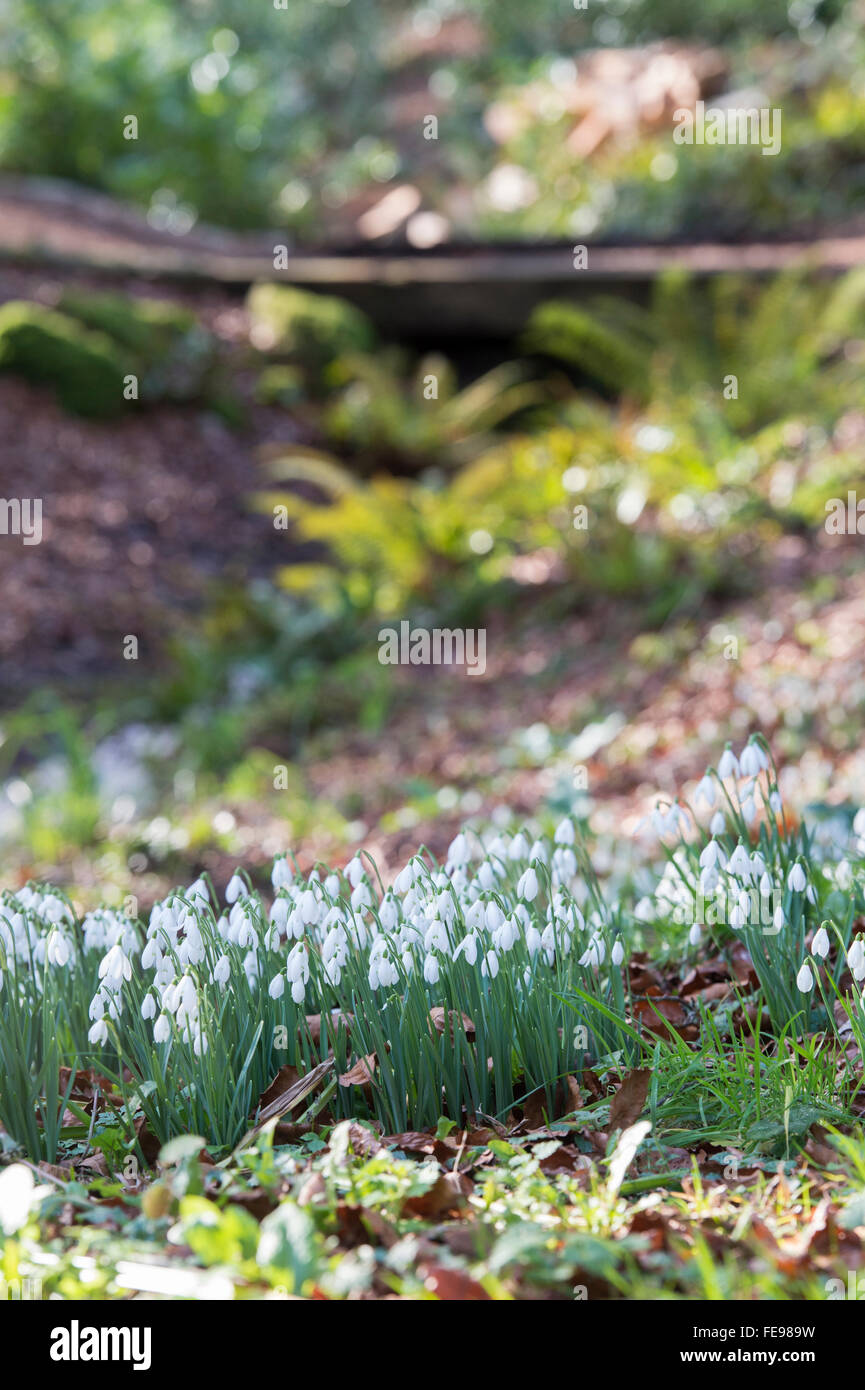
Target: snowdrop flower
404 879
528 885
538 853
805 980
705 791
298 990
565 833
820 944
738 916
740 863
749 810
486 877
506 935
458 851
493 916
57 949
148 1008
332 885
712 855
490 965
114 968
752 761
595 953
533 940
436 937
162 1029
222 971
98 1033
856 959
361 897
728 765
98 1005
779 921
775 801
617 955
431 970
844 876
811 894
236 888
695 935
564 865
469 947
796 880
766 886
281 874
279 911
518 848
389 912
717 824
354 871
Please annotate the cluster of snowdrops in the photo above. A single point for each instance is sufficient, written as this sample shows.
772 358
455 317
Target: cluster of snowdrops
459 989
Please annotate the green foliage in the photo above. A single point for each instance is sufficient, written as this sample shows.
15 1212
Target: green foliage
162 343
313 329
44 346
582 341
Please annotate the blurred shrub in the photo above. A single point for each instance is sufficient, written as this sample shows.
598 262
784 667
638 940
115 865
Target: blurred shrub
163 343
312 329
48 347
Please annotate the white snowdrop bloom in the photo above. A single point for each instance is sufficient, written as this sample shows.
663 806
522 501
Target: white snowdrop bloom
843 875
187 1001
445 907
148 1008
564 865
522 917
775 801
750 763
644 910
361 897
796 880
820 945
659 822
235 888
199 1043
281 874
533 940
436 937
197 892
779 921
805 980
749 810
728 765
458 851
856 959
518 848
57 950
695 935
431 970
486 877
717 824
98 1034
711 855
162 1029
498 848
294 924
740 863
222 928
528 885
222 971
506 935
767 887
333 970
490 965
617 955
539 853
468 947
298 991
738 916
404 880
493 916
705 792
114 968
98 1005
594 953
151 955
332 885
811 894
709 880
297 964
279 912
758 864
309 907
354 871
565 833
387 972
389 912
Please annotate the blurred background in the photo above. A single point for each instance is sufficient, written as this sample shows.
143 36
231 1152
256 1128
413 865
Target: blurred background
319 318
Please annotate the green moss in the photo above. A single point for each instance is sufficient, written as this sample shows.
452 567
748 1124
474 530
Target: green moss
315 329
84 367
164 344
